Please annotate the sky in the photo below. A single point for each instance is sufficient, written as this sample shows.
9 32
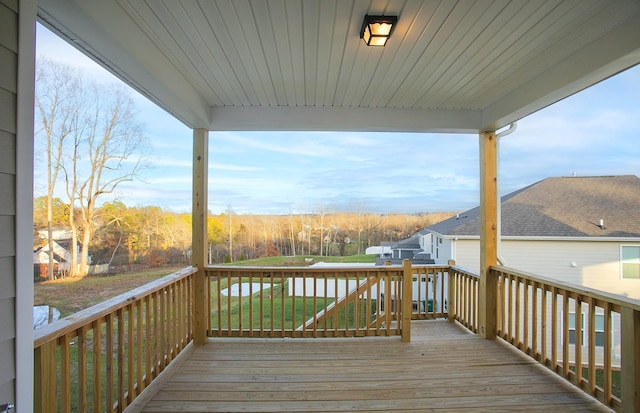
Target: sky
594 132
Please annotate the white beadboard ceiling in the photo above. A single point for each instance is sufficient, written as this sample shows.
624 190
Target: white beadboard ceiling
450 66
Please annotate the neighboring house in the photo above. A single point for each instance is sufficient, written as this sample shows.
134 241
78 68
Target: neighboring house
383 250
581 230
411 248
62 249
61 259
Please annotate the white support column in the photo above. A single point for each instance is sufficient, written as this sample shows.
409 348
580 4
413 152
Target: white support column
487 311
24 206
199 214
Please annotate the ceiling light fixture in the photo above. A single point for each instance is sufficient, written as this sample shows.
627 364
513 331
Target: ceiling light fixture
376 30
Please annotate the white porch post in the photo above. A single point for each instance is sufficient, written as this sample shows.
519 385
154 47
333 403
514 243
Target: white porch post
23 205
487 313
199 214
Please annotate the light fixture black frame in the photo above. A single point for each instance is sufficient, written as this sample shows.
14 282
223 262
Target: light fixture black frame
369 19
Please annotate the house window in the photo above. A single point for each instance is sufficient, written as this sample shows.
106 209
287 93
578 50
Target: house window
630 260
599 330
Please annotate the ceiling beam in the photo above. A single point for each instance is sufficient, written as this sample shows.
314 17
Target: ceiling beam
344 119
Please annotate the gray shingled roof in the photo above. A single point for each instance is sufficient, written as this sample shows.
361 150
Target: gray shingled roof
562 207
412 243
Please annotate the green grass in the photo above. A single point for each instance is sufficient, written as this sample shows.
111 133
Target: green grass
70 295
282 304
299 260
615 379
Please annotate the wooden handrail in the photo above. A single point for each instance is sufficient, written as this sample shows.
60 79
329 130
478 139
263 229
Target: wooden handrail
533 314
546 319
98 311
615 299
103 357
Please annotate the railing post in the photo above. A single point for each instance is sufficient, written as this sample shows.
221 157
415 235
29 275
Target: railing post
45 391
451 292
407 300
487 294
199 232
630 374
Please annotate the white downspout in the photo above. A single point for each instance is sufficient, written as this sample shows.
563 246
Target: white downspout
512 127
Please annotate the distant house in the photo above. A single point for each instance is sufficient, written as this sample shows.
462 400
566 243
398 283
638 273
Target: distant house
383 250
582 230
411 248
62 249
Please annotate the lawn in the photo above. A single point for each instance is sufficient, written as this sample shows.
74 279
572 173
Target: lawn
70 295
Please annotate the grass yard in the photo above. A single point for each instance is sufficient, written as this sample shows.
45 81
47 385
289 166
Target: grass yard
70 295
283 307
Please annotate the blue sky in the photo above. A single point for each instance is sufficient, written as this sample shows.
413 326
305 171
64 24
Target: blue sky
594 132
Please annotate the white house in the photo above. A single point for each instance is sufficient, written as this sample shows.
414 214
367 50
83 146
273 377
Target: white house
581 230
62 250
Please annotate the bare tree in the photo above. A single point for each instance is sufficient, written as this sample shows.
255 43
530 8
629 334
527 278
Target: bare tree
103 148
56 117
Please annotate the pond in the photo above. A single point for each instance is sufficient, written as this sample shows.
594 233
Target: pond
42 315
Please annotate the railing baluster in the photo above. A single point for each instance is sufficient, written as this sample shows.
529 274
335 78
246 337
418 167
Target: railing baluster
82 369
565 335
262 289
545 330
147 343
282 305
120 359
577 357
130 355
592 346
251 304
65 374
535 321
97 365
554 329
608 396
517 342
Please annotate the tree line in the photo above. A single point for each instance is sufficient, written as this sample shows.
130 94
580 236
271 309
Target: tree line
129 237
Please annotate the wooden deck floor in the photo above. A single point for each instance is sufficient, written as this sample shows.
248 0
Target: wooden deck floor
443 369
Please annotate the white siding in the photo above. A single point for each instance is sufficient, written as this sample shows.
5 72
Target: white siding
467 254
593 264
597 264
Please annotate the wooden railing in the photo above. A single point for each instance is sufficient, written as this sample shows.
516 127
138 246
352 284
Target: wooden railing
589 337
311 302
100 359
463 297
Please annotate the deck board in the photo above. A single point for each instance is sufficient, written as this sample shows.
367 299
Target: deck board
443 369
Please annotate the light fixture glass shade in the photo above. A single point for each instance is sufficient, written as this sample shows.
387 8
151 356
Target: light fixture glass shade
376 30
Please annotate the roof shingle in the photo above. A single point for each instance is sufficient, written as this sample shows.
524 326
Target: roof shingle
562 207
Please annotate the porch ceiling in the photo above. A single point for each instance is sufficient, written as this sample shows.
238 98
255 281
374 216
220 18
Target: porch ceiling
450 66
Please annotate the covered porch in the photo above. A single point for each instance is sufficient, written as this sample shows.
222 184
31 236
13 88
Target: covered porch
461 67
